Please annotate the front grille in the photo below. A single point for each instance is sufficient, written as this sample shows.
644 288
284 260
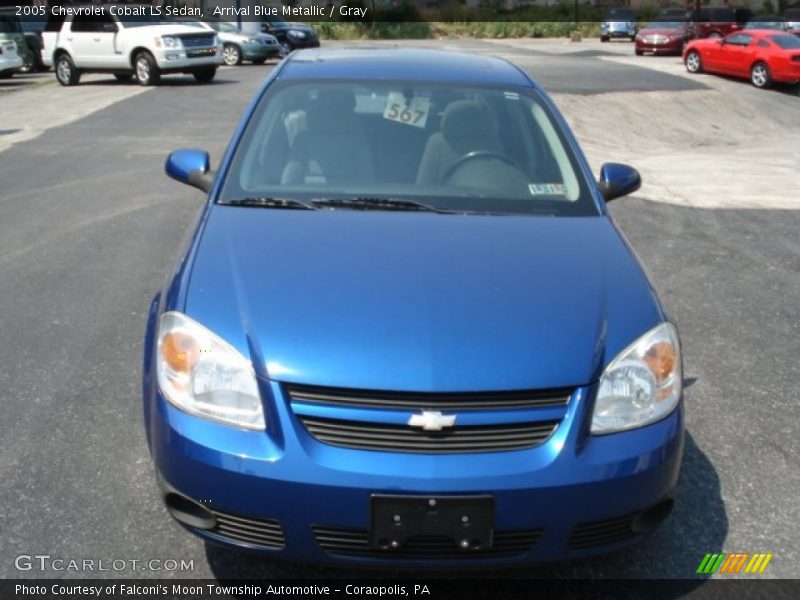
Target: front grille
422 401
600 533
656 39
266 533
197 41
355 542
402 438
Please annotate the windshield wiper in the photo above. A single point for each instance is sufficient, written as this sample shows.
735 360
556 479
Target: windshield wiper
376 203
270 203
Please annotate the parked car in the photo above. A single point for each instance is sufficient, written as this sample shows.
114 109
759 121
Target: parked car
33 26
792 18
128 45
10 61
290 35
718 21
776 23
762 56
238 46
675 13
411 378
11 29
664 37
618 22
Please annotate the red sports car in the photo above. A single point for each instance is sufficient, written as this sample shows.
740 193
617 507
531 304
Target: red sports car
763 56
664 37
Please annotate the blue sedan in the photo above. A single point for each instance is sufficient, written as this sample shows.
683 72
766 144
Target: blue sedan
405 331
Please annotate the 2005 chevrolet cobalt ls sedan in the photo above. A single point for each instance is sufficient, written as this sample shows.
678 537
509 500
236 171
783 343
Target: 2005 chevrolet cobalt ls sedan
406 332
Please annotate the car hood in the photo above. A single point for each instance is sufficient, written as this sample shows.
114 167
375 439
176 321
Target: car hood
419 301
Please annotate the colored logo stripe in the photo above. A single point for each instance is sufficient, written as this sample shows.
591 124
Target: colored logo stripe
758 563
711 563
734 562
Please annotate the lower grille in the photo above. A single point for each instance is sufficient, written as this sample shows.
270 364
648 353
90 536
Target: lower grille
401 438
355 542
266 533
600 533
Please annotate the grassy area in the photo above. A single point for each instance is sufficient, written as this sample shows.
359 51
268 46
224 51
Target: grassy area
425 30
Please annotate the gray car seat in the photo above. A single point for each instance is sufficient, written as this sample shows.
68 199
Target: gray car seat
333 149
467 126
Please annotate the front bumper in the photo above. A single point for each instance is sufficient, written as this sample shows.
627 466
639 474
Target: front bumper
669 47
297 498
183 59
10 63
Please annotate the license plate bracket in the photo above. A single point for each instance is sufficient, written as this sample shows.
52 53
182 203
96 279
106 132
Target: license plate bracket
467 520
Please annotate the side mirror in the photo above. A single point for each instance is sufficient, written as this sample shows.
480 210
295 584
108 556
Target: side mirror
110 27
190 166
618 180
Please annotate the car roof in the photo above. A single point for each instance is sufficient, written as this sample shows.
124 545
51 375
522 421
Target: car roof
402 64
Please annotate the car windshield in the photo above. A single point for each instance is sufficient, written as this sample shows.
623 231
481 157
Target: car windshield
453 148
620 14
33 23
225 27
764 25
664 25
787 42
9 24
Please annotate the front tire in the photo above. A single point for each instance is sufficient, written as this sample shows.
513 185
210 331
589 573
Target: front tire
231 55
206 75
66 72
146 69
639 52
694 64
603 38
760 75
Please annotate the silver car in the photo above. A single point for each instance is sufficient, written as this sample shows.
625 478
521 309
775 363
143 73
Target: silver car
238 46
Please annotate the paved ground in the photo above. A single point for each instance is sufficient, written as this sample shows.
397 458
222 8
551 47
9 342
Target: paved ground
88 225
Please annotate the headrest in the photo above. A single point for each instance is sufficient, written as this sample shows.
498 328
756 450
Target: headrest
467 118
332 111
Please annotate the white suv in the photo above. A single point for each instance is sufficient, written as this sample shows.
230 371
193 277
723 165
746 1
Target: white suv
127 40
10 61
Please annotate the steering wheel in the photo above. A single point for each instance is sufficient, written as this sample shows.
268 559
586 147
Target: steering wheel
478 155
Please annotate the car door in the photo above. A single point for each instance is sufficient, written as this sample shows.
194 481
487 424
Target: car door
105 38
80 40
736 54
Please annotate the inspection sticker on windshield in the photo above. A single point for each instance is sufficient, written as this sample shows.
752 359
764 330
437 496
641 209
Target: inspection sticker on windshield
415 113
547 189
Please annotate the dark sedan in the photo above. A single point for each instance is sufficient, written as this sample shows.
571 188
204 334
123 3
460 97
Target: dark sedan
664 37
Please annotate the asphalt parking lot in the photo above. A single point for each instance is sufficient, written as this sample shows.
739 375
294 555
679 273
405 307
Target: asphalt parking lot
89 226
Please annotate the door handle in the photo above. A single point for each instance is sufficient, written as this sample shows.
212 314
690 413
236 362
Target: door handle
69 39
96 39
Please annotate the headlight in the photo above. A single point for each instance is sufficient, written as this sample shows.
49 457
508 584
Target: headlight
168 41
203 375
252 41
296 33
604 26
642 384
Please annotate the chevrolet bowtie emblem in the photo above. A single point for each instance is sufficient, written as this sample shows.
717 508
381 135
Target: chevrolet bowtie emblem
432 420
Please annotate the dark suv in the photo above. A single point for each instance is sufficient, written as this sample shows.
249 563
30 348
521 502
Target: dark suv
718 21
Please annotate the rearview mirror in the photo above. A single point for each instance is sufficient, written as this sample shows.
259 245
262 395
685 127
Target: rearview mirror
190 166
618 180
